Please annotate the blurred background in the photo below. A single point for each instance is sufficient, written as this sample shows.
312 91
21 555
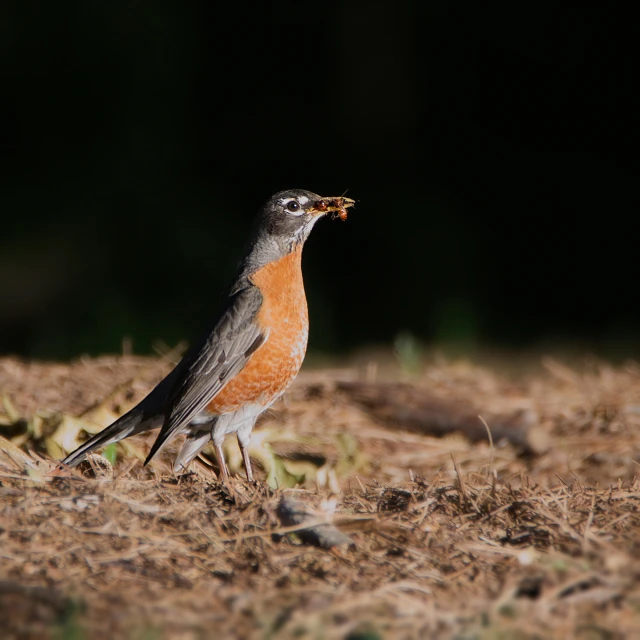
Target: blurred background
492 149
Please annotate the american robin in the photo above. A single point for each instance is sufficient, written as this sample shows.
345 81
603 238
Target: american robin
249 357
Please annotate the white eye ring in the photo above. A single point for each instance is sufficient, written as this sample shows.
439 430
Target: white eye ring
293 207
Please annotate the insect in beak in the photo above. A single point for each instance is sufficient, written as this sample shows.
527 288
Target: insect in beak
337 206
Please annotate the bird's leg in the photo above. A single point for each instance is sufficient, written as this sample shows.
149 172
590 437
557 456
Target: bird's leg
224 470
247 461
244 440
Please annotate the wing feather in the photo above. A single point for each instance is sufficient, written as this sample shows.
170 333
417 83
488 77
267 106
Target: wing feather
208 367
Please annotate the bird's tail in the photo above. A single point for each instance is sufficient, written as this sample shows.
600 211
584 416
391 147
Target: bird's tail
145 416
135 421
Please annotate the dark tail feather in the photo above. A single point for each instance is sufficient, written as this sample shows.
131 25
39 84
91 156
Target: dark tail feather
161 440
135 421
144 416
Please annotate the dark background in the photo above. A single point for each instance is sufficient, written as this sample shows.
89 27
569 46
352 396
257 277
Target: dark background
492 149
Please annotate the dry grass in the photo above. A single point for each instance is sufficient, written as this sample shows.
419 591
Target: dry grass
452 539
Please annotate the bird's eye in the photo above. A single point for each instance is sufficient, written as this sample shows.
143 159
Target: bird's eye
293 206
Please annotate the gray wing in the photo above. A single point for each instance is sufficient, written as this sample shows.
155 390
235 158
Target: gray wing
208 367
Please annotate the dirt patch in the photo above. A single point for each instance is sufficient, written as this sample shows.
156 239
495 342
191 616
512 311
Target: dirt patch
452 536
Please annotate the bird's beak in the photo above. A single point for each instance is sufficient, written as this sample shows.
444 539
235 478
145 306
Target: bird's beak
326 205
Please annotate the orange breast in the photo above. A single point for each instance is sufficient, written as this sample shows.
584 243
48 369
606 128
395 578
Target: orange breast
274 366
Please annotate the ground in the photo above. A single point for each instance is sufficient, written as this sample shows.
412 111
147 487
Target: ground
523 522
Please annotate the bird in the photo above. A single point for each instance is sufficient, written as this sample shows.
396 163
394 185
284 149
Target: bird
248 357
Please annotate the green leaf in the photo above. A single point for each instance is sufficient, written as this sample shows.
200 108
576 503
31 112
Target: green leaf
110 453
